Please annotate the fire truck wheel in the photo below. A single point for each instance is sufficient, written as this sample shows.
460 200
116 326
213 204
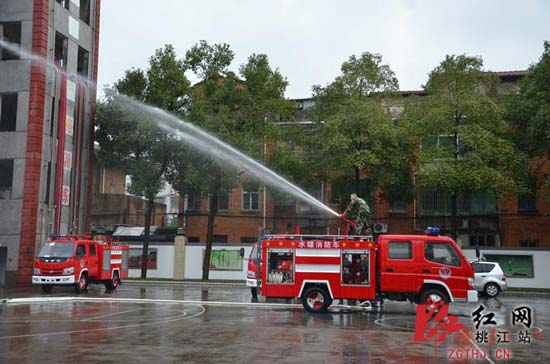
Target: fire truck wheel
82 283
316 300
47 288
113 283
432 296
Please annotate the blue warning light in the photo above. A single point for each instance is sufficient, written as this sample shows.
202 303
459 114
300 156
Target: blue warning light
433 231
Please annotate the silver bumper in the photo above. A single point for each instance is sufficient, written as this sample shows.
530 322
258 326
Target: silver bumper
53 279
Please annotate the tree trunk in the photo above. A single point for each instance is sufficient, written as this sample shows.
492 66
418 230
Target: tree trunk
212 212
454 233
145 251
357 179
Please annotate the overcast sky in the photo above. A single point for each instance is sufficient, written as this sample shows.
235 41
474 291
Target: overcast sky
308 40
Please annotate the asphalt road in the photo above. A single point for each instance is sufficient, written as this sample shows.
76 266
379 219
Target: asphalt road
218 324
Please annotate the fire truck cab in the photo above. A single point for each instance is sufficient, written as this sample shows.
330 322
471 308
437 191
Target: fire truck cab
319 269
78 261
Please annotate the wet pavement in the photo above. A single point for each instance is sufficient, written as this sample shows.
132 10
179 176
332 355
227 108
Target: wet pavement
218 324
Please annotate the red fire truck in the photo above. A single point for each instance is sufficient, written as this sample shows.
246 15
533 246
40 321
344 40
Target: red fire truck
319 269
78 260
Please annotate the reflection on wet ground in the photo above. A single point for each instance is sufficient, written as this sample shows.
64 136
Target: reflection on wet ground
100 328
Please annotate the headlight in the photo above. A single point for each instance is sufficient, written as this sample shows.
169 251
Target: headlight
471 282
68 270
36 271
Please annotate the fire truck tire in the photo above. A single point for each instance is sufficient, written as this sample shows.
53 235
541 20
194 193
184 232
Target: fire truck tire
113 283
47 288
433 295
316 300
82 283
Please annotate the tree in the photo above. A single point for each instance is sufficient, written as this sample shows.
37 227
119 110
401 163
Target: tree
355 133
463 138
130 141
531 111
239 111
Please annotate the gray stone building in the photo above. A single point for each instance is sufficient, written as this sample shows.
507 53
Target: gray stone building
46 125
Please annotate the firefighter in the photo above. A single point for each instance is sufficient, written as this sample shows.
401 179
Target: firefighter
359 211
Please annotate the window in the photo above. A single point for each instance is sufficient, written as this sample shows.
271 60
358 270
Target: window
48 183
64 3
193 239
8 112
194 201
400 250
434 202
280 264
355 267
6 178
61 45
482 267
517 266
85 11
250 201
219 239
248 240
82 62
11 32
529 243
136 258
92 250
223 201
52 116
80 251
442 253
527 201
482 240
398 206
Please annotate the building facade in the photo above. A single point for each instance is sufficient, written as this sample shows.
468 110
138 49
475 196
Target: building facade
46 130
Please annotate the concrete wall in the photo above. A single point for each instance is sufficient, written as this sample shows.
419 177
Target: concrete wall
165 261
26 216
184 261
541 266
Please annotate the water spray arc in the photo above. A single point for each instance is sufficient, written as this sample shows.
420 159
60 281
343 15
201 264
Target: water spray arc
209 145
189 134
15 48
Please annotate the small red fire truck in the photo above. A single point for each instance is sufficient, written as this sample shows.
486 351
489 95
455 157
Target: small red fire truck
78 260
319 269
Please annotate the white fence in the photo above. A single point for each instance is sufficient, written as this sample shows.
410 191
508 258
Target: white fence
228 263
535 264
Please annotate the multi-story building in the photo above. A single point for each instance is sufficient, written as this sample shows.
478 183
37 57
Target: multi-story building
46 127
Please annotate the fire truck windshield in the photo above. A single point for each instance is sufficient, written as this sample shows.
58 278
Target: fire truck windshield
57 249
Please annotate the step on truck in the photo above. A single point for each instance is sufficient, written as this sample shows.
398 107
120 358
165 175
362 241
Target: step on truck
319 269
77 260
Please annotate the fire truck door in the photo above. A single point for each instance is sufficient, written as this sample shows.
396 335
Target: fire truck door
398 270
92 261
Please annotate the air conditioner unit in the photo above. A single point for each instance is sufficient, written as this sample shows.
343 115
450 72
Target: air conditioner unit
380 228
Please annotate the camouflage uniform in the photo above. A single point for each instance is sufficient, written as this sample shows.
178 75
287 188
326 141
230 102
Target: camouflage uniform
359 212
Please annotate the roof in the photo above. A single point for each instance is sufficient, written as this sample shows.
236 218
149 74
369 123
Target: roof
132 230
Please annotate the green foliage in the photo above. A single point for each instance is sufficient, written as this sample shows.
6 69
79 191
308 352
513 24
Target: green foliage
131 142
532 108
354 132
464 140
